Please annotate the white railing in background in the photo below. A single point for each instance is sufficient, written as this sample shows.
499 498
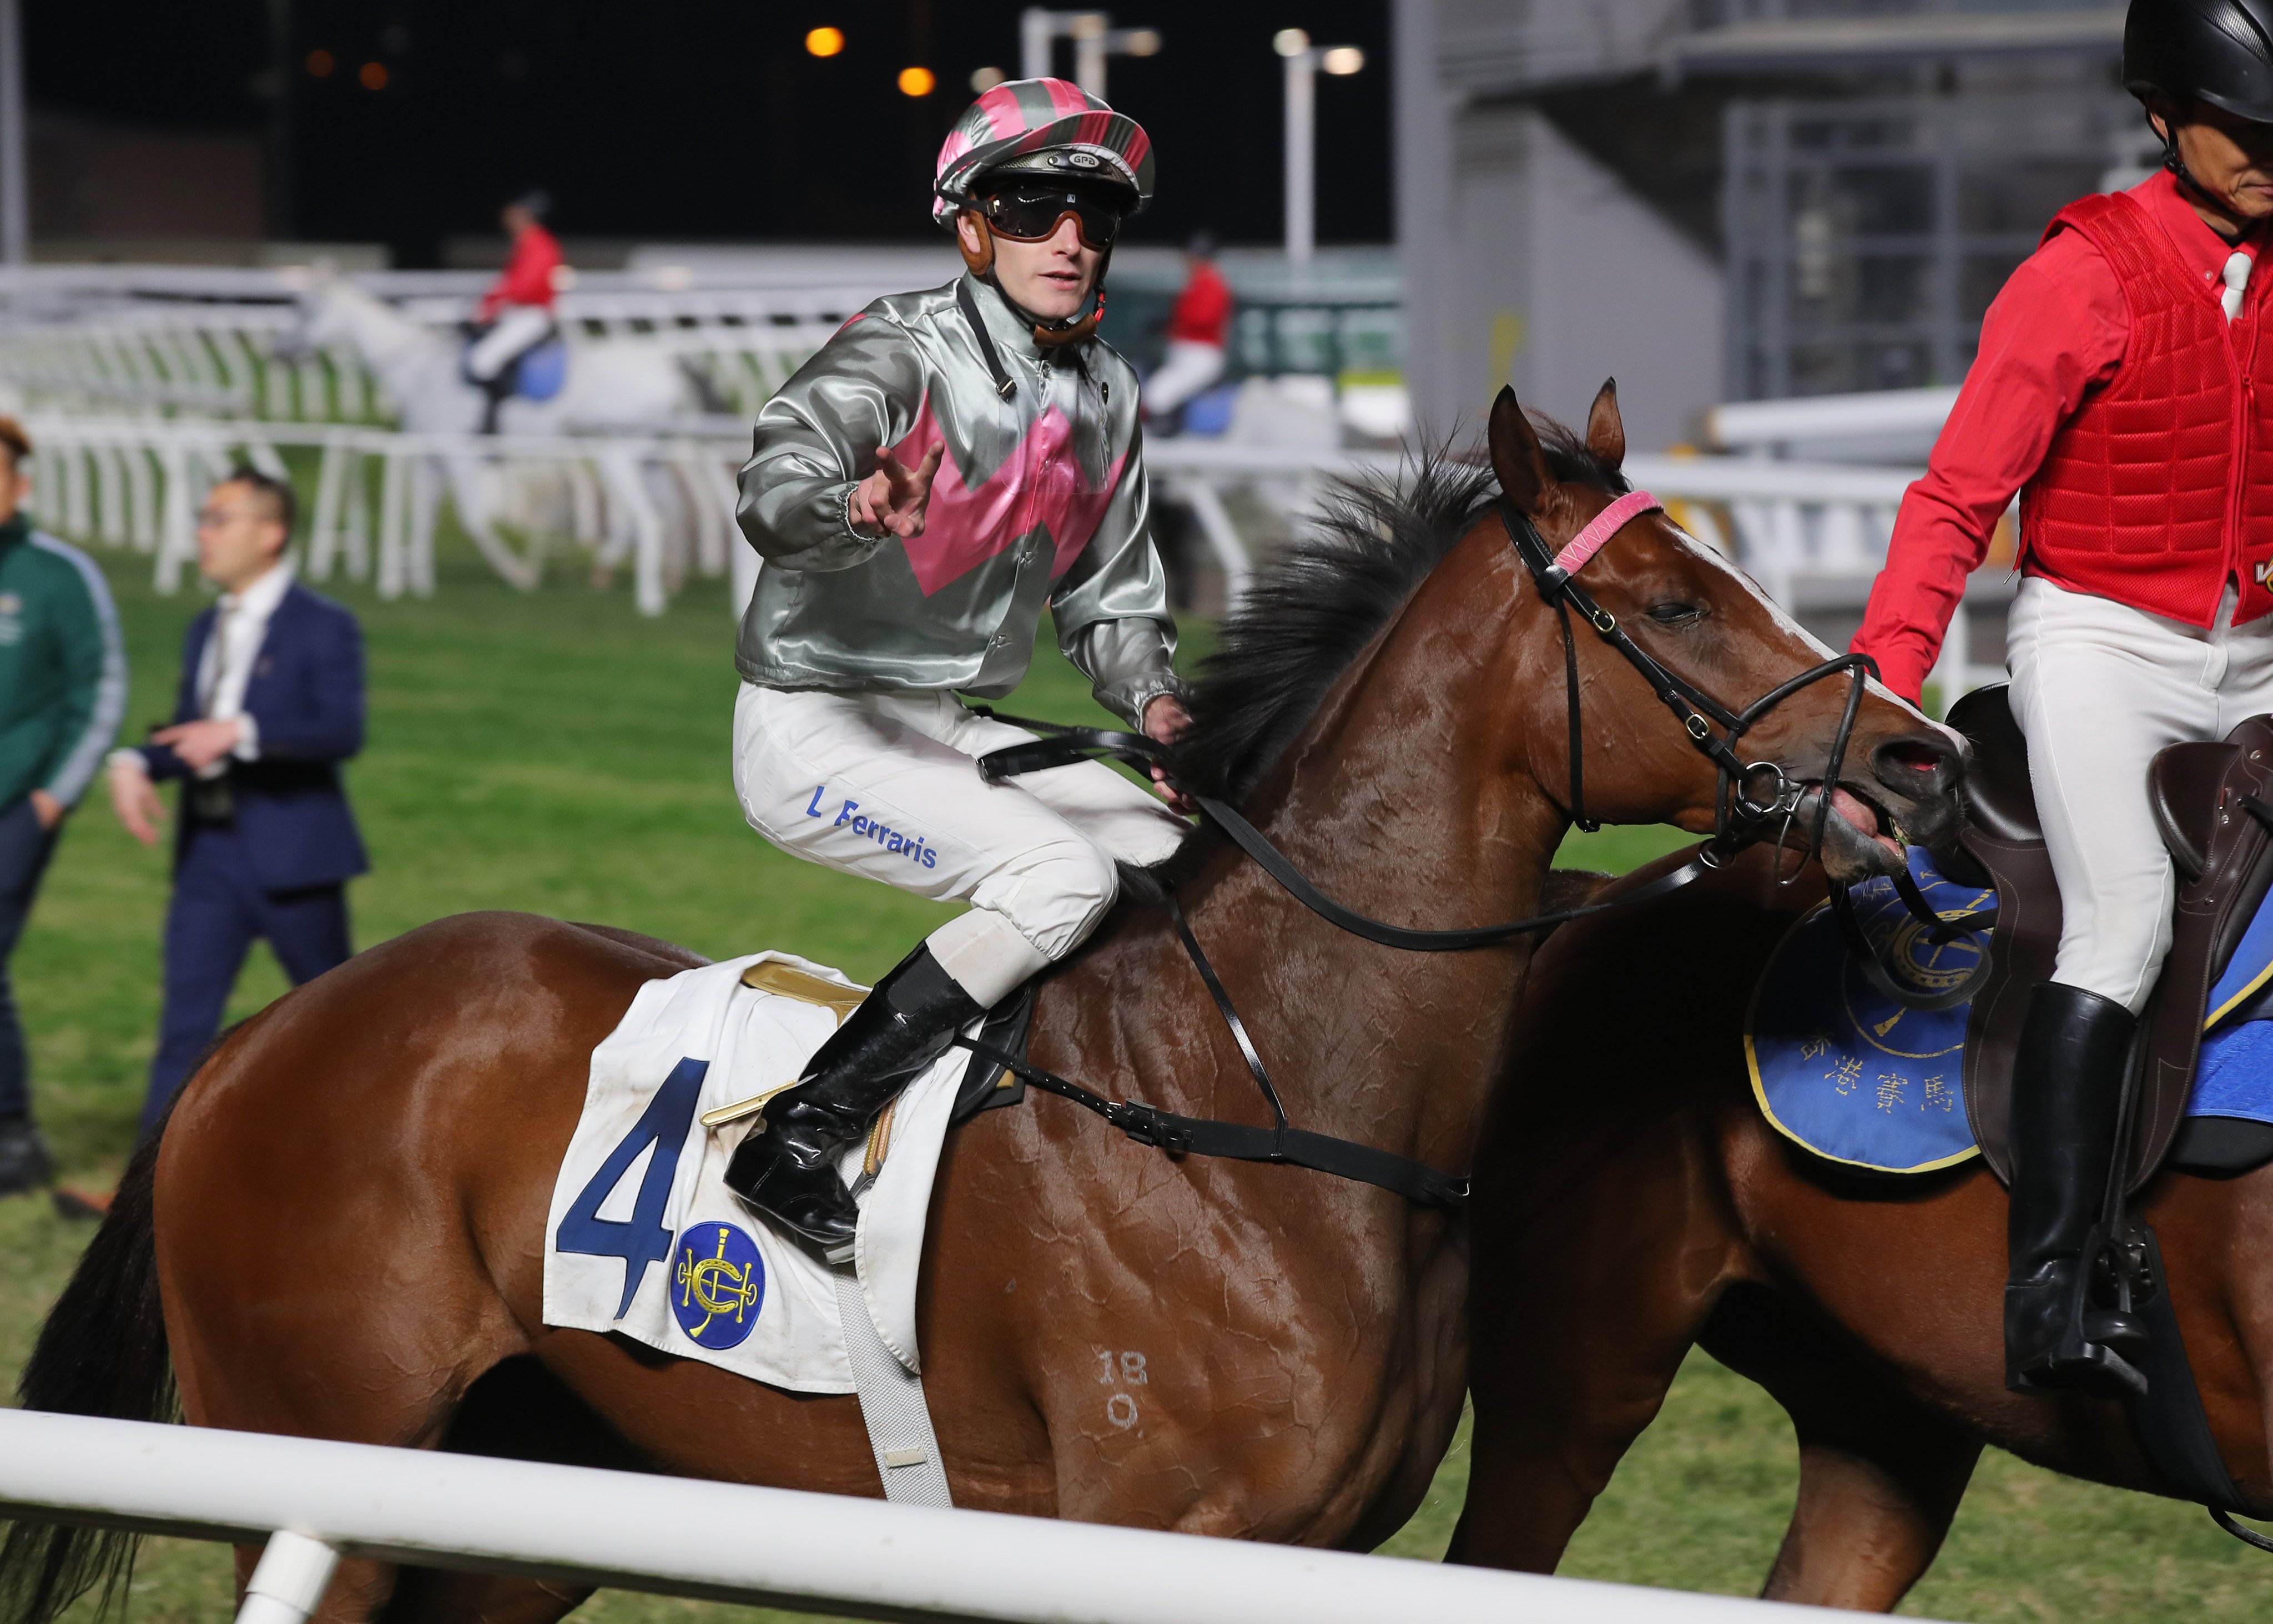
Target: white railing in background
665 505
1821 554
1814 535
1814 420
313 1501
219 359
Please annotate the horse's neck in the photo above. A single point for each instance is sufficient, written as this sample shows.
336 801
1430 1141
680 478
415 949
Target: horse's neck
403 355
1393 803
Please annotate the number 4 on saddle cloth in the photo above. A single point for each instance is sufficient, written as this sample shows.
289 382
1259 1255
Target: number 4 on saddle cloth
644 1238
1859 1078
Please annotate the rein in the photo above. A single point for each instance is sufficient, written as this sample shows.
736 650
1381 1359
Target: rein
1739 821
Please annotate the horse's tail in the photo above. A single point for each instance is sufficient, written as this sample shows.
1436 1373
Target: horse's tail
101 1353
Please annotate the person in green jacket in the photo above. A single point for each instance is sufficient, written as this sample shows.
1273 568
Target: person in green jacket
63 688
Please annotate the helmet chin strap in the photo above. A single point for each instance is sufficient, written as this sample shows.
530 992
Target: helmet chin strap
1049 334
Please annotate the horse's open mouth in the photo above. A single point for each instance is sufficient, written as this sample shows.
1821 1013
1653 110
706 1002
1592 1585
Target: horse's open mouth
1859 839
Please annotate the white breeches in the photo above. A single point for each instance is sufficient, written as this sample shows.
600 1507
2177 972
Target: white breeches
2098 688
885 786
518 326
1190 369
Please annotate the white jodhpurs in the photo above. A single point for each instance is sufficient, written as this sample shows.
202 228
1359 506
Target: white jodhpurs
886 786
2097 688
1188 368
517 328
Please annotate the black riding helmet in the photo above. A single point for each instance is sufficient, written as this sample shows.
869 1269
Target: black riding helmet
2218 51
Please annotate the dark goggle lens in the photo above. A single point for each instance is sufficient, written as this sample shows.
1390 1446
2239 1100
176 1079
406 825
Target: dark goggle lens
1031 214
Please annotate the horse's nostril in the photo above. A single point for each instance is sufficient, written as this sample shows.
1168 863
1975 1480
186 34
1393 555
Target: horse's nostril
1918 758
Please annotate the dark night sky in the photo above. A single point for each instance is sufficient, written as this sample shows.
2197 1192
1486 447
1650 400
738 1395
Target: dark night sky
696 119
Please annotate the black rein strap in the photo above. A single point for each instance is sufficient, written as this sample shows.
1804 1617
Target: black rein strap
1063 745
1739 821
1180 1136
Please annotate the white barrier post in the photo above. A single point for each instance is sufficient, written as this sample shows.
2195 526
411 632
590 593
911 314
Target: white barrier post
289 1585
1223 537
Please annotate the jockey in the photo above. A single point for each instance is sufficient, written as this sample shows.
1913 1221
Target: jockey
2117 387
515 315
950 463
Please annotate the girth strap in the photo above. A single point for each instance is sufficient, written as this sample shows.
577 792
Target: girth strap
1181 1135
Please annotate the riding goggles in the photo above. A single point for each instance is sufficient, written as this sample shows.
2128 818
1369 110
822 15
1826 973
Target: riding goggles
1031 213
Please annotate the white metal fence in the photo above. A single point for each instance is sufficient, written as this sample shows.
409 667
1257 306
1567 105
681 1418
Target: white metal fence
221 358
662 506
313 1501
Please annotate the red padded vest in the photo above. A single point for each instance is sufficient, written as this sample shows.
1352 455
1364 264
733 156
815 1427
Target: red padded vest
2160 487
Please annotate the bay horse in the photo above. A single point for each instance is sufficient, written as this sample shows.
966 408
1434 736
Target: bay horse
341 1234
1632 1201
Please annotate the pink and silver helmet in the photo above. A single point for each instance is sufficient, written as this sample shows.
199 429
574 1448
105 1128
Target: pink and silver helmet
1044 126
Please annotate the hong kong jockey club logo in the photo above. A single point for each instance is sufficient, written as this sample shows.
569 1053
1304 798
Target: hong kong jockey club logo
718 1284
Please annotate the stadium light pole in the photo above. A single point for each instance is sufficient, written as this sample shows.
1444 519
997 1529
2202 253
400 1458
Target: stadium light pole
1303 61
15 171
1094 38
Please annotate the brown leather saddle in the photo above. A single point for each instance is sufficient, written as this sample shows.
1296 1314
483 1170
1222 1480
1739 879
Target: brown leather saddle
2223 853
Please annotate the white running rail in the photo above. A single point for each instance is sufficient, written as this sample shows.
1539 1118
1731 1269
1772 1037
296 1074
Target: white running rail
1815 419
1813 534
313 1501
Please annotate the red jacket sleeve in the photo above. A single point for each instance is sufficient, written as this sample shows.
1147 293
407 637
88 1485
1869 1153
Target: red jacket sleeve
526 278
1203 310
2056 332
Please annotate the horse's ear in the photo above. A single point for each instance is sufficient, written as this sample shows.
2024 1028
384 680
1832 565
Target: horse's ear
1606 431
1516 456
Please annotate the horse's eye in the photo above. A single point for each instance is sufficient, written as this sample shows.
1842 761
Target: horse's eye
1671 614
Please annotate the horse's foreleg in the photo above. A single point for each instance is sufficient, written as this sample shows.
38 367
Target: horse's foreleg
1582 1312
1880 1476
431 1596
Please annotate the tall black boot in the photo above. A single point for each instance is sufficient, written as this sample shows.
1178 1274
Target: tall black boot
495 392
787 1170
2068 1095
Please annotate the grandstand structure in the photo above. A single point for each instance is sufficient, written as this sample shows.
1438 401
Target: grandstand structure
1733 199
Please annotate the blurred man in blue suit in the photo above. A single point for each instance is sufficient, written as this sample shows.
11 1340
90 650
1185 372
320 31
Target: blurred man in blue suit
271 702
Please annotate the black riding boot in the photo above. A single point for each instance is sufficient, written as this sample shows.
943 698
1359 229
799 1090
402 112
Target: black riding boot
495 392
787 1168
2067 1093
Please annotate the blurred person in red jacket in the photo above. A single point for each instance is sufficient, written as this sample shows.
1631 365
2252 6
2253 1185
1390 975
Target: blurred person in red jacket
1197 328
2123 389
515 315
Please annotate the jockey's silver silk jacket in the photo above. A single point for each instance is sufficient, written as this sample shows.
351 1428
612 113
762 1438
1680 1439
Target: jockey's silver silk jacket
1040 500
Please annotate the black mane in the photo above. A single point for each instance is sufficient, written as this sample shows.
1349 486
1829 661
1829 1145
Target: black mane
1305 618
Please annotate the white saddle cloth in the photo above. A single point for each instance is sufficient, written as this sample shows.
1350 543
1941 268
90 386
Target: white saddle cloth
645 1240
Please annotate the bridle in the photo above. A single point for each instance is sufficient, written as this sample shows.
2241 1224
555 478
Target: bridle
1740 819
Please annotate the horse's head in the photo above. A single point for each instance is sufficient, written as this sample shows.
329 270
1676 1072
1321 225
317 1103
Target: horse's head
320 315
1647 758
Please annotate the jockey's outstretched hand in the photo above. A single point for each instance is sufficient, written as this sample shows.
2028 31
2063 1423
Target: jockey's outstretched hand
1165 718
892 500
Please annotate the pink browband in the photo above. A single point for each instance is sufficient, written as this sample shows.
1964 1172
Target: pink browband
1606 524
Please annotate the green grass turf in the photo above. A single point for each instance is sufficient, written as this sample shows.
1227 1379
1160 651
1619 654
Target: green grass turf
559 753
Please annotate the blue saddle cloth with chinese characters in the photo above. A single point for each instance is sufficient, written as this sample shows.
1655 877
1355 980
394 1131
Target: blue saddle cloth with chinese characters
1842 1069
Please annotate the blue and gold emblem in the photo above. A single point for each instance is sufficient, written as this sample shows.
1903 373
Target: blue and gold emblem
1843 1069
717 1284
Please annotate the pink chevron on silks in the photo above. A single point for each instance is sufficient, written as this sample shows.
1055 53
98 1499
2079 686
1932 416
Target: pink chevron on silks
1038 487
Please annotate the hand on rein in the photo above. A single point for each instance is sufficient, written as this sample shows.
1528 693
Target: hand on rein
1164 721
